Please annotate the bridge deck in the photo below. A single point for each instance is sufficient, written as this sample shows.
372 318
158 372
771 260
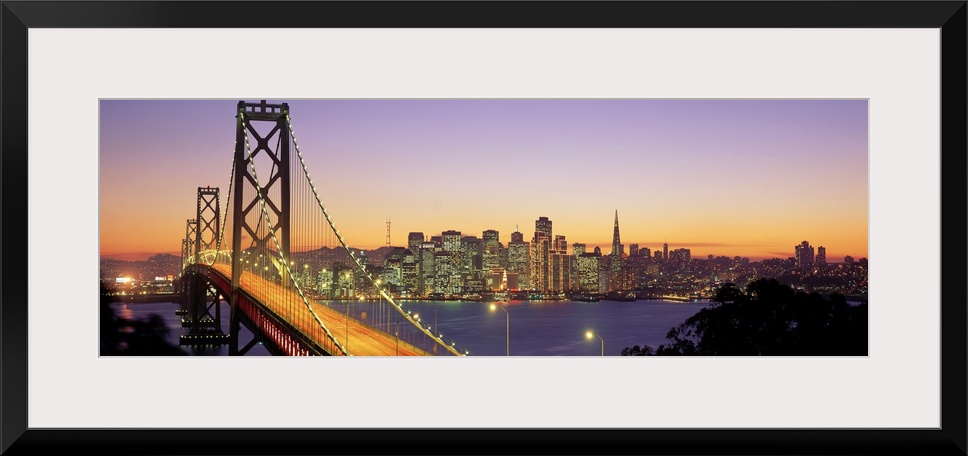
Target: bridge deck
356 337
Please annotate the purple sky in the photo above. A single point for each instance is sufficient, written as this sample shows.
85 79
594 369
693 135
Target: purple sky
731 177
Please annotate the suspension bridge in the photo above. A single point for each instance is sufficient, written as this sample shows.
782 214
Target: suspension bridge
277 258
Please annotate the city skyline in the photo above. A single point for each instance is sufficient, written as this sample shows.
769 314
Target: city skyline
750 178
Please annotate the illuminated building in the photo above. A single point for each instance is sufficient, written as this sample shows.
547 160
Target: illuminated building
560 267
414 240
450 241
427 269
344 286
577 249
615 258
588 266
519 261
540 262
543 225
491 255
324 283
804 254
680 256
392 266
410 273
471 258
446 276
617 252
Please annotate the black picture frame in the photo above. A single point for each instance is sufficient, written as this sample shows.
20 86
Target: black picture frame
17 17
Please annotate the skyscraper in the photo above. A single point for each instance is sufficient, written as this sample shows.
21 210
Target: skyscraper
821 259
665 251
450 240
560 269
541 248
540 261
578 249
414 239
616 241
804 254
519 262
616 247
615 260
491 252
543 225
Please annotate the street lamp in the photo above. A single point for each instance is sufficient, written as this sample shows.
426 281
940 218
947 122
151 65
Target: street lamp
507 326
589 335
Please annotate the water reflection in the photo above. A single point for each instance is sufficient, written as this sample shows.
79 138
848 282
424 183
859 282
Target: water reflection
532 328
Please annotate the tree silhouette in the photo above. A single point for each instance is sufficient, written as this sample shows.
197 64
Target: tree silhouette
768 319
133 337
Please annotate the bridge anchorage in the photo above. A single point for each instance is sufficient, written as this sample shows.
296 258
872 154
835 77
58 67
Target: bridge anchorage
289 276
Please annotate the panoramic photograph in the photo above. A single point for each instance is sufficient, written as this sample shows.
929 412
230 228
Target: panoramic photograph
483 227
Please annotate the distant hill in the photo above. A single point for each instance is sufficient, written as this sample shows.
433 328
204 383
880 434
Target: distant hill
164 264
159 265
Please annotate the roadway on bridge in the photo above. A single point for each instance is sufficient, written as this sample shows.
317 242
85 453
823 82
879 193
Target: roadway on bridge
357 338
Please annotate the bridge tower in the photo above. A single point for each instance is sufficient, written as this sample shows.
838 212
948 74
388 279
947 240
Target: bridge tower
203 298
272 117
188 252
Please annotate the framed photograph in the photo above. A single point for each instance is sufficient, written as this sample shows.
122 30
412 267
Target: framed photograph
898 67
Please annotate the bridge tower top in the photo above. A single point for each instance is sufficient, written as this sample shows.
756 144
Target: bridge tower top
262 130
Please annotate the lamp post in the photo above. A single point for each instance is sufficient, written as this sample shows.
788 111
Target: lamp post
589 335
507 327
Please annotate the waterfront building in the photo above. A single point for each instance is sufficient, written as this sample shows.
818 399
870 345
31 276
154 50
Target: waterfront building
345 284
588 265
519 263
410 273
559 270
324 283
428 252
491 255
540 261
471 256
446 274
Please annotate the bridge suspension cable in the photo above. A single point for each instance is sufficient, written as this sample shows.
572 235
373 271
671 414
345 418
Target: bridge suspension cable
263 265
356 261
283 261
